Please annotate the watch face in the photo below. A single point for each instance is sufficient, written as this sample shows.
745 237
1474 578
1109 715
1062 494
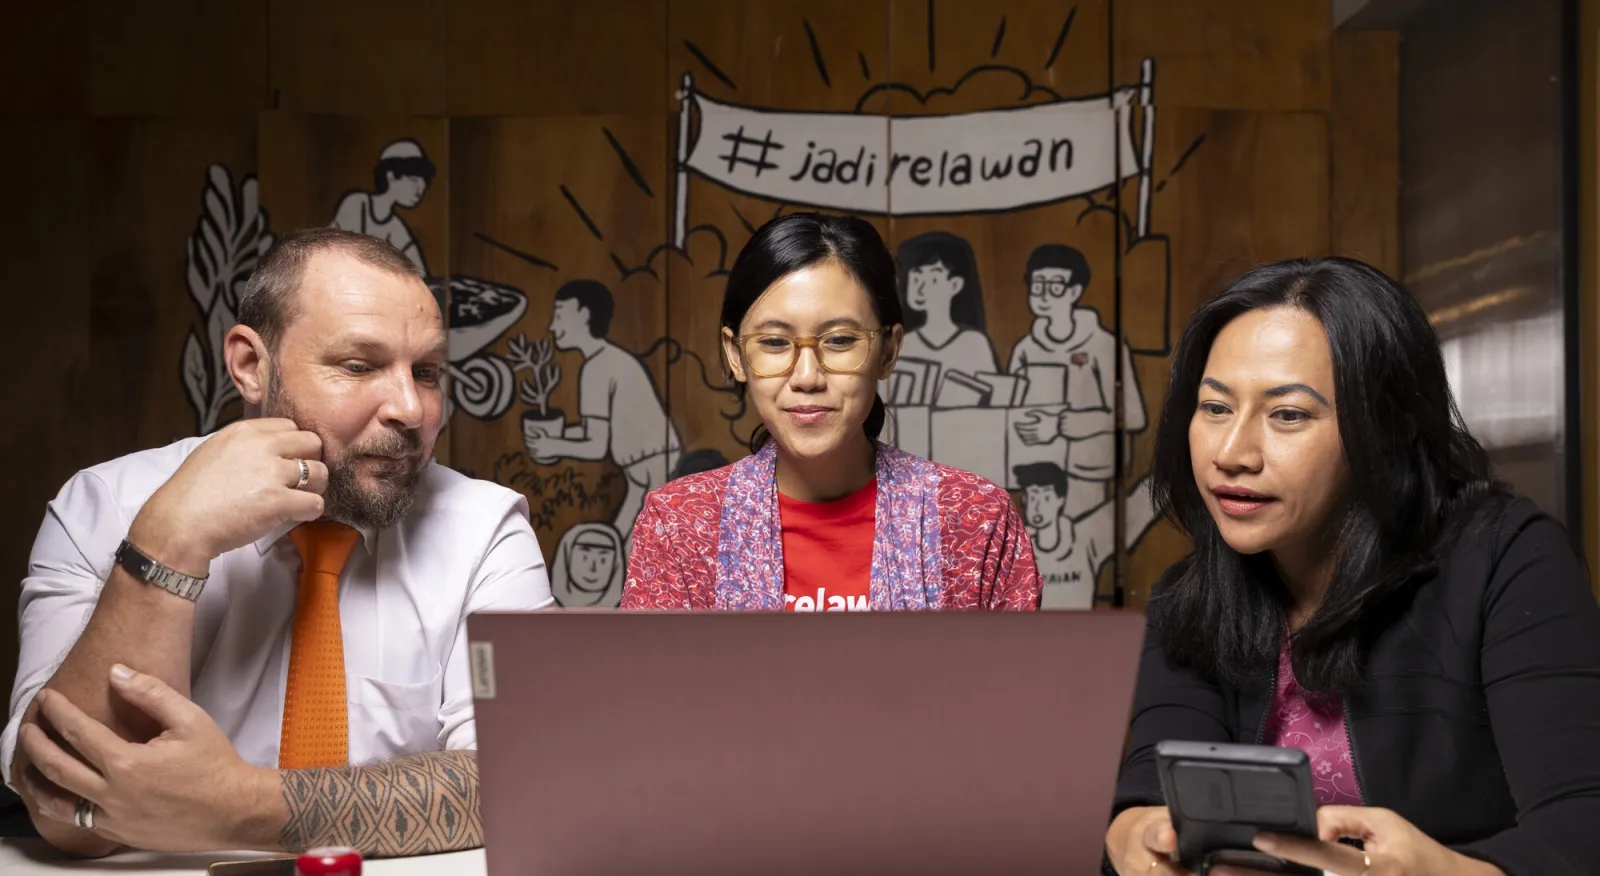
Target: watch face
130 558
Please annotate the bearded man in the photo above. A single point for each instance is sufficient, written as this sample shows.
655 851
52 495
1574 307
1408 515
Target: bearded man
256 639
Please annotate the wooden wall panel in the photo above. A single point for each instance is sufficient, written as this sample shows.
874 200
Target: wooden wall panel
42 58
177 58
150 179
760 54
46 331
529 226
513 57
358 56
1228 54
1255 189
1364 148
981 54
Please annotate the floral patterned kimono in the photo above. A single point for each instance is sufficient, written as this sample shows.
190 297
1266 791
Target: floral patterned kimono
943 539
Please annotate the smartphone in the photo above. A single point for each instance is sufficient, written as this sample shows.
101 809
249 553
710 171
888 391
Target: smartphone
267 867
1220 795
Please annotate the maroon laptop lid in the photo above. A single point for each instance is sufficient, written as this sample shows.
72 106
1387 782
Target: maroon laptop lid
735 743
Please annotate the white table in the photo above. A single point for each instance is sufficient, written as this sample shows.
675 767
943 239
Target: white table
31 857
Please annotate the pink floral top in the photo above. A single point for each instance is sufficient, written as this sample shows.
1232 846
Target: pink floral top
1315 726
943 539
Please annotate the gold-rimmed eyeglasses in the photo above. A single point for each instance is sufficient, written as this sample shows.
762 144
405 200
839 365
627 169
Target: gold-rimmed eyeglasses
843 351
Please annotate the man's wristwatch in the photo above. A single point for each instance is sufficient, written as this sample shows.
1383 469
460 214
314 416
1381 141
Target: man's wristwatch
152 572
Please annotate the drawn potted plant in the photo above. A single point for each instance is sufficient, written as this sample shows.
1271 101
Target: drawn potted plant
558 495
538 359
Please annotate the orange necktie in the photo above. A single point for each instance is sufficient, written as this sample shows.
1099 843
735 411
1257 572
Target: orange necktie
316 717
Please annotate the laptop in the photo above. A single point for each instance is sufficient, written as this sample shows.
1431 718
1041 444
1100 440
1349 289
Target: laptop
760 744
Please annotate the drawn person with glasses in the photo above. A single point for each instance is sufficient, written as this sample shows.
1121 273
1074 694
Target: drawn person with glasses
822 516
1068 340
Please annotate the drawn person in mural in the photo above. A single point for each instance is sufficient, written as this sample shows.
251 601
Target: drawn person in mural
943 303
621 414
1071 551
588 567
822 516
1068 342
399 180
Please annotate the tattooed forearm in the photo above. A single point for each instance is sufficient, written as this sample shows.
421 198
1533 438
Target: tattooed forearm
412 805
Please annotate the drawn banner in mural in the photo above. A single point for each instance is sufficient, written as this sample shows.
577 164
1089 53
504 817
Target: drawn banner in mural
988 161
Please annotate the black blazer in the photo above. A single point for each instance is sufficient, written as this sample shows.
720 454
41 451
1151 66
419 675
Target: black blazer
1479 718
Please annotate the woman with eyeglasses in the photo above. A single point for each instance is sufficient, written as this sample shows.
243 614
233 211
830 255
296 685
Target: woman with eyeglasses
822 517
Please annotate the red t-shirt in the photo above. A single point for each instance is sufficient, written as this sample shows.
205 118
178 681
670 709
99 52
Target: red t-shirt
827 551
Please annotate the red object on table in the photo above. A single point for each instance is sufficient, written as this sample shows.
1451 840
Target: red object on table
329 862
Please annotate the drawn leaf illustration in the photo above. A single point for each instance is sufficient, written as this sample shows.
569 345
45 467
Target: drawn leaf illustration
228 240
200 288
213 235
217 326
221 182
194 374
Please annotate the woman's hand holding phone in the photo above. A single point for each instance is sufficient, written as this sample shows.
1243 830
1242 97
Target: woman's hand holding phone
1394 847
1141 841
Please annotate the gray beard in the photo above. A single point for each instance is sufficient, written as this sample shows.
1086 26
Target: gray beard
346 500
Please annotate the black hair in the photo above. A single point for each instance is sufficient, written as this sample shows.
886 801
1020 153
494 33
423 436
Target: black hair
593 296
697 461
1415 473
268 302
1041 474
799 240
1059 255
955 254
416 165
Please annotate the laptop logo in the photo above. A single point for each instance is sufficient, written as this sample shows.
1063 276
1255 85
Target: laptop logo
481 655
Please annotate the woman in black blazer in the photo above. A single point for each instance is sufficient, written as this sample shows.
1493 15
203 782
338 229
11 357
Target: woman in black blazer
1360 588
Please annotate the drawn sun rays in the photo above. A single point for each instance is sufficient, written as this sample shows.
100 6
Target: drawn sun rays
1027 91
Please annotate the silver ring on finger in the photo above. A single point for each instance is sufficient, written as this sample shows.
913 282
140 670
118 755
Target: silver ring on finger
84 816
305 474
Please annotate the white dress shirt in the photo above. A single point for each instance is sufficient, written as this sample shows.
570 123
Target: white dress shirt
403 601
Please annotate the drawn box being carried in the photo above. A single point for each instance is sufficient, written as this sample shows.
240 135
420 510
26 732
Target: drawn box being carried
983 441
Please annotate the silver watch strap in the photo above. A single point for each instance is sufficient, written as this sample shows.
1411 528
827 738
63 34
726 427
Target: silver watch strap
140 566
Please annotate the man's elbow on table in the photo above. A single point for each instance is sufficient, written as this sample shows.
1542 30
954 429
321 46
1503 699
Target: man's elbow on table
30 786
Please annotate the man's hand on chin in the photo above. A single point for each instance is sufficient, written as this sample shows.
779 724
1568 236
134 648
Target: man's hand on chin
186 790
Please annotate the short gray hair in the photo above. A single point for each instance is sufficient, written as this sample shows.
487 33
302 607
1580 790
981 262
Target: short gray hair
267 303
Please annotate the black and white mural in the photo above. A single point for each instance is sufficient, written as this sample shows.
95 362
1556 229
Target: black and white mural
1046 409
